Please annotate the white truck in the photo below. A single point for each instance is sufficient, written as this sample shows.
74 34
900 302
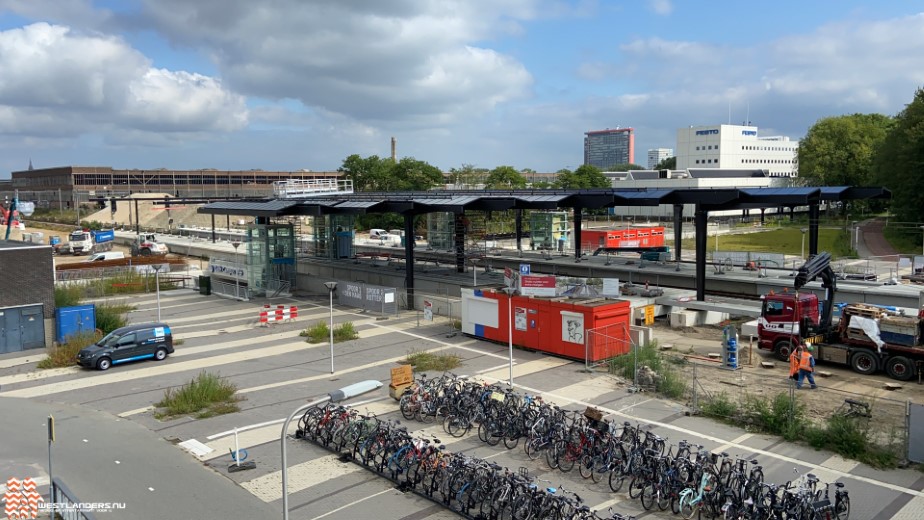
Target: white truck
85 241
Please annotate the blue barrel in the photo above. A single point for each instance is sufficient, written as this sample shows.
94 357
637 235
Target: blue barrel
732 345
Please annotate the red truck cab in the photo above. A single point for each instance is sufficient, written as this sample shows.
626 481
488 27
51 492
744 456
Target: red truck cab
784 319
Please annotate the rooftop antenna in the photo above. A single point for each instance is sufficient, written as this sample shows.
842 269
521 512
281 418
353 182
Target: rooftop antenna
748 114
729 111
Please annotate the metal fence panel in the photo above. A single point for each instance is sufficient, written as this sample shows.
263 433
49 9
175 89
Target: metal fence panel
66 503
373 298
915 432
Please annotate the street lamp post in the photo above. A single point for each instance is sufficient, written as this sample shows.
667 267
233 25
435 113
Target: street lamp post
344 393
237 280
331 287
510 291
157 268
803 242
922 243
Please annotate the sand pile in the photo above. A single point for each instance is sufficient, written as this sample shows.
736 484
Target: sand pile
154 215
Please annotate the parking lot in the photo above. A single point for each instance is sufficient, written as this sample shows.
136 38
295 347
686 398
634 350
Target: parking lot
276 371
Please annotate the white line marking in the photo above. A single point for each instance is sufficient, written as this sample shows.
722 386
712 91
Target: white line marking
351 504
135 411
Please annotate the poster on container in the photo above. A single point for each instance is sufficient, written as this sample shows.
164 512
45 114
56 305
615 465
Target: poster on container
519 321
537 285
610 288
572 327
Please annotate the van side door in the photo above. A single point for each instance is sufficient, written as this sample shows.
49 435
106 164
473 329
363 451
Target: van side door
125 348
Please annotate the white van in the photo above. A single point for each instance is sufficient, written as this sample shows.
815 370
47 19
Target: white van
108 255
378 234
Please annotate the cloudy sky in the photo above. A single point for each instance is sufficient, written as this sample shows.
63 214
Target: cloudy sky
292 84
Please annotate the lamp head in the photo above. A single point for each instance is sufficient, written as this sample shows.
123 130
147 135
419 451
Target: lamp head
331 286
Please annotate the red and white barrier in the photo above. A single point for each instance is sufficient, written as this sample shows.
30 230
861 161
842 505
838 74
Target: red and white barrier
280 314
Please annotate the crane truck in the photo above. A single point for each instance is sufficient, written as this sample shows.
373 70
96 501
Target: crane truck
85 241
867 338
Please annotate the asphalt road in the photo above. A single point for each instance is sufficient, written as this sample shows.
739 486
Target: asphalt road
276 371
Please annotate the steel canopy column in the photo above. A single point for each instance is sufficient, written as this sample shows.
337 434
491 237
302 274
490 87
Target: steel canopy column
813 229
762 210
700 217
577 232
409 259
213 228
459 240
518 218
137 221
678 230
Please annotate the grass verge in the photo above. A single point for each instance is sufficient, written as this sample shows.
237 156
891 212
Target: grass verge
66 355
787 240
205 396
666 379
429 361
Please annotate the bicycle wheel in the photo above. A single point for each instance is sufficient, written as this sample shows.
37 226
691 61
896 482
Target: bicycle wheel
511 440
552 456
616 480
566 458
597 469
407 407
533 448
842 507
675 504
456 426
687 509
647 496
664 499
586 466
636 487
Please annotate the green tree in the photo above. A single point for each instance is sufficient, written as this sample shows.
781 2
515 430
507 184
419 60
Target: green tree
467 175
625 167
367 174
667 164
899 161
409 174
586 176
838 151
505 177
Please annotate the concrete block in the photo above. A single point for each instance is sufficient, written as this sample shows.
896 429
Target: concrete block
824 373
666 346
892 386
767 364
714 355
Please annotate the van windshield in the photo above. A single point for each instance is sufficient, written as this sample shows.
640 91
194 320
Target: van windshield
109 340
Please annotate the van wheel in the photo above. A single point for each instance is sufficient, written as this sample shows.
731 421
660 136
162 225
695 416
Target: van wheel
104 363
864 362
900 368
161 354
783 350
145 252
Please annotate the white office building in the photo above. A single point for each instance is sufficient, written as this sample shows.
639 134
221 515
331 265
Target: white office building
735 147
656 155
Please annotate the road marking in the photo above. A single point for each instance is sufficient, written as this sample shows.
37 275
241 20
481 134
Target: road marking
525 369
25 360
732 443
603 506
912 510
39 482
268 488
826 469
351 504
253 313
136 411
711 438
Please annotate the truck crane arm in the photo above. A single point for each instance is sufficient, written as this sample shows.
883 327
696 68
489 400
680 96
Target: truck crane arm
820 265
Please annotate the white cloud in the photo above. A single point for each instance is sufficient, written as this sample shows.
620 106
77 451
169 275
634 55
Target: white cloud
57 81
404 63
661 7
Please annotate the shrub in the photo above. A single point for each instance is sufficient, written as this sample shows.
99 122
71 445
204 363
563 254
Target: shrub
719 406
65 355
316 333
68 295
206 396
423 361
345 332
110 317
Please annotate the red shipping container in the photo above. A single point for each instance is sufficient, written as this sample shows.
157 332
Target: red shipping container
597 329
592 239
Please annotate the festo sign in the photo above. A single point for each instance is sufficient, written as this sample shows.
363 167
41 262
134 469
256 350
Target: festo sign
713 131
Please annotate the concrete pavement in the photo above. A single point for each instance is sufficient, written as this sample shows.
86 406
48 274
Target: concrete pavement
102 458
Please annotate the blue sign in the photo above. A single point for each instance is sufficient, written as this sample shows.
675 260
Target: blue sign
749 132
524 269
714 131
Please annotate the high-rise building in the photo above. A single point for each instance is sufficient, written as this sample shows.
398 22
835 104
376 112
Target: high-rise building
607 148
736 147
656 155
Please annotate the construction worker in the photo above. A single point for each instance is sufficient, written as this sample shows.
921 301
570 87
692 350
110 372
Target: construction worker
794 358
807 367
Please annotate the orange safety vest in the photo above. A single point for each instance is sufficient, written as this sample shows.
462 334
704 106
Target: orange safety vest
806 362
794 363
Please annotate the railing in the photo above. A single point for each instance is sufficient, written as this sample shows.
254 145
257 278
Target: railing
67 504
302 188
234 290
